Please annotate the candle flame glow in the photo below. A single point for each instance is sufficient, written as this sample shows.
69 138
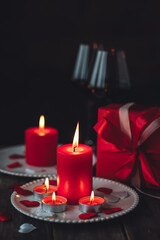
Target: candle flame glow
76 138
92 196
41 122
53 196
46 183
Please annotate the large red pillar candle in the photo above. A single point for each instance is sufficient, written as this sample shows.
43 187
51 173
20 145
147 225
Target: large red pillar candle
74 171
41 145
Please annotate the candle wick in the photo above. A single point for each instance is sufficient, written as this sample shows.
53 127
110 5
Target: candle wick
46 189
74 148
91 201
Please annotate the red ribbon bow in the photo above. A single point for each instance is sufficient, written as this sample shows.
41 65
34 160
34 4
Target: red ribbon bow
131 142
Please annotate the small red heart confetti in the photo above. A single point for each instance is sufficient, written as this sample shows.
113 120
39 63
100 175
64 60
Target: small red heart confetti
105 190
23 191
87 215
28 203
112 210
53 182
15 185
14 165
5 216
16 156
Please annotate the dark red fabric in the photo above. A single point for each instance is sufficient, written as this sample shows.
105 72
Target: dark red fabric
87 215
15 185
22 191
105 190
14 165
28 203
16 156
5 216
112 210
119 157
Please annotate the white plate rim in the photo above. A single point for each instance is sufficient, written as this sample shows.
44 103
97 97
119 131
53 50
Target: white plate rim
96 219
23 174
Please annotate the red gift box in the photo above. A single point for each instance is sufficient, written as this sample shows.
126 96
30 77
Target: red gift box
128 144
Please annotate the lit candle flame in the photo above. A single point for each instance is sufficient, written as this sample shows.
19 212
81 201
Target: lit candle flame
41 122
46 183
54 197
76 138
92 197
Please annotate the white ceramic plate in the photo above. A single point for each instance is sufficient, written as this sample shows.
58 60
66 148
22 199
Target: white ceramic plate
72 212
24 170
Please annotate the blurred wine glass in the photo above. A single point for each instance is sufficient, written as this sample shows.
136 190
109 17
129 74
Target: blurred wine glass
103 74
109 72
81 65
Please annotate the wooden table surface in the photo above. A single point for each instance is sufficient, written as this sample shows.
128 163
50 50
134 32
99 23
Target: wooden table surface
142 223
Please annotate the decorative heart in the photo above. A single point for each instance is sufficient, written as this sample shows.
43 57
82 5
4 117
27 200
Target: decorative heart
111 210
53 182
121 195
16 156
22 191
111 199
26 228
87 215
41 213
105 190
5 216
14 165
28 203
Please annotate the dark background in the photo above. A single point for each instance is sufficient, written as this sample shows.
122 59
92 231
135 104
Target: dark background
39 44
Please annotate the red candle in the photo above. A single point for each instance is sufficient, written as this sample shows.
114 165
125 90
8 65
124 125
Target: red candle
91 203
54 200
43 190
41 145
91 200
54 203
74 170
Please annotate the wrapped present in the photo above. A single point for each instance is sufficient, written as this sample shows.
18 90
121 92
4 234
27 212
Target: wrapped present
128 144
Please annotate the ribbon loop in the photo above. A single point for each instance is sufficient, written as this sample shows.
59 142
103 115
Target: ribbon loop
123 153
124 119
149 131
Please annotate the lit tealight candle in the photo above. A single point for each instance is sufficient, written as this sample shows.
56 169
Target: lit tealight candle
74 170
54 203
41 145
91 203
44 190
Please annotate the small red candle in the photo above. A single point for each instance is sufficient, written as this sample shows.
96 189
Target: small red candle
44 190
74 170
41 145
91 203
54 203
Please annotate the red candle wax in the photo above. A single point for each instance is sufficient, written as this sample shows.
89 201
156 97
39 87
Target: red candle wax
43 189
41 145
87 201
59 200
57 204
74 172
88 205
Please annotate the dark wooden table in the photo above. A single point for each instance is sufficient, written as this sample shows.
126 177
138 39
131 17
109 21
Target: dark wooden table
142 223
